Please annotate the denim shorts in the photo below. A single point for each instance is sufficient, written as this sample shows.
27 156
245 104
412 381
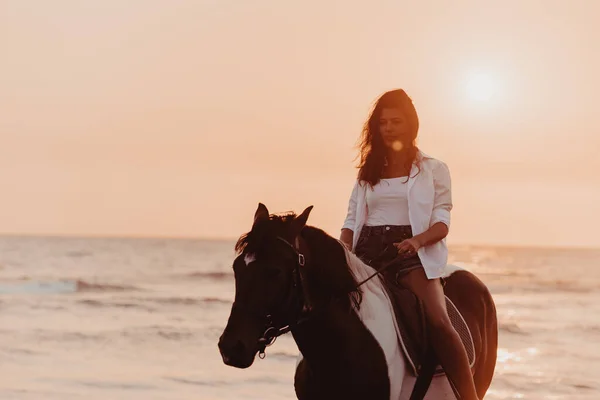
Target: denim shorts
375 247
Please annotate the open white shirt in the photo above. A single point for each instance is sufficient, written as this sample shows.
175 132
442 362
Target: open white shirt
429 201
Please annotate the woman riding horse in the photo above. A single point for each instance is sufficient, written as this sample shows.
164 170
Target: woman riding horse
399 216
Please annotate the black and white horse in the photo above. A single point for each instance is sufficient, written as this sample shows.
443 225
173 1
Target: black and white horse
293 277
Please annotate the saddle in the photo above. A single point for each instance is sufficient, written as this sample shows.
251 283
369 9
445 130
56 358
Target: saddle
413 329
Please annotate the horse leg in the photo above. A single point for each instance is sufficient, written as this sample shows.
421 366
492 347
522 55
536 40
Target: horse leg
341 359
305 389
309 385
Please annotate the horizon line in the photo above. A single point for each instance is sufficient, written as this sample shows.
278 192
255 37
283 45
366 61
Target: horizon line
232 239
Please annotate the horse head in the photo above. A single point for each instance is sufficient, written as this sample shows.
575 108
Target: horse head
268 290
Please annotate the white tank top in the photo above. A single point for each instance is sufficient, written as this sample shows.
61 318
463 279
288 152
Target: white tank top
387 202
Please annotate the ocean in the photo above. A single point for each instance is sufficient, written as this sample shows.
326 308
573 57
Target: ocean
107 318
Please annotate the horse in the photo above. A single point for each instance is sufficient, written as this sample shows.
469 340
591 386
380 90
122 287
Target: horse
292 277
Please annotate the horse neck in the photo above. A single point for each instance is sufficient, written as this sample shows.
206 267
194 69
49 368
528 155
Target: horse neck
332 321
327 276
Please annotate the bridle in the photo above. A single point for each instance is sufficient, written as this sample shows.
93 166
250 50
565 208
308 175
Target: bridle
272 331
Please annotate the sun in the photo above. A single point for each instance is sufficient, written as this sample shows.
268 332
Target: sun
481 87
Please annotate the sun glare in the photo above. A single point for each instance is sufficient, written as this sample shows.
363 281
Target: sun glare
481 87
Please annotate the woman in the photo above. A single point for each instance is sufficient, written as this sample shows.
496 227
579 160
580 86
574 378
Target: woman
399 213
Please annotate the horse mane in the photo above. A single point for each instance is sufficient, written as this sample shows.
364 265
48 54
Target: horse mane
333 261
251 241
328 256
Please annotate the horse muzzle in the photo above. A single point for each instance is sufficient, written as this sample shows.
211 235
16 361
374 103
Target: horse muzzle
235 353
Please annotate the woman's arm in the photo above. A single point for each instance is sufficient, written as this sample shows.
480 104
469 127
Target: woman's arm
347 234
439 225
442 205
434 234
347 237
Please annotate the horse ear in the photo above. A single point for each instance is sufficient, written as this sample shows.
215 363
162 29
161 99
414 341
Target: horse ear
300 221
261 213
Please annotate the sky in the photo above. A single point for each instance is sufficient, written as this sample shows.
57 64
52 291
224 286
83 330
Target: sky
176 118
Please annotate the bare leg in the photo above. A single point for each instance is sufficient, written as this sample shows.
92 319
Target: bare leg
445 340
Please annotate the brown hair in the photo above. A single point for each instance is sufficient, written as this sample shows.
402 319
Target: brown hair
372 150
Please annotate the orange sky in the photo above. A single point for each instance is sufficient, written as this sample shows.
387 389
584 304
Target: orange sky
175 118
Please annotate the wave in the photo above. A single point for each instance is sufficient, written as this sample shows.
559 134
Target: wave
117 385
83 286
20 351
63 286
198 382
160 331
117 304
282 355
512 327
184 301
213 275
68 336
226 383
215 300
139 302
563 285
583 386
540 286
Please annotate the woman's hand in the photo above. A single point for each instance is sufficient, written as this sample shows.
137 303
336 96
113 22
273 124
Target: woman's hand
409 246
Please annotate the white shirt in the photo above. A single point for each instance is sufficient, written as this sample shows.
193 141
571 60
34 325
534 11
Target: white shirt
387 202
429 202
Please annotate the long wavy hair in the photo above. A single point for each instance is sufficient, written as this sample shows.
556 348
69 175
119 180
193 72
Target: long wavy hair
372 149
